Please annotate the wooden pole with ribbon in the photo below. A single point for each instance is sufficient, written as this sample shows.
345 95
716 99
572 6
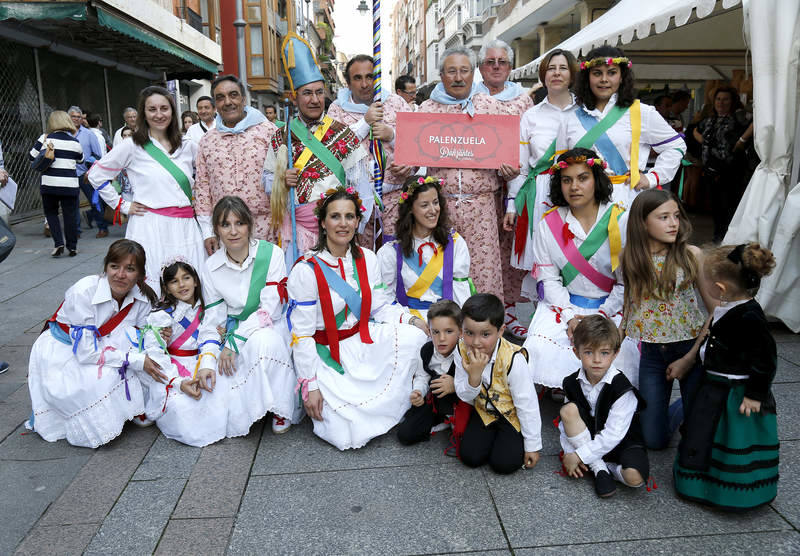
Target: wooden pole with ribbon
375 144
291 191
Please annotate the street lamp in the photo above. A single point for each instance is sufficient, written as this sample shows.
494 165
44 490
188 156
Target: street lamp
362 7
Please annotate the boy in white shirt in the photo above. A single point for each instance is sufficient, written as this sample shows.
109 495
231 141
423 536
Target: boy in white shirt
431 410
493 375
600 429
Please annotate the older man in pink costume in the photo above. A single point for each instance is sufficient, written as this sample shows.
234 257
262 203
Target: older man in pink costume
230 160
354 106
474 197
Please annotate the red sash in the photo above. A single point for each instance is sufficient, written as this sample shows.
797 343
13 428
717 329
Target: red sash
104 330
321 336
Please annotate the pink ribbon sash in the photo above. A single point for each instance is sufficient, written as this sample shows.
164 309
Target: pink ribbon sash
302 387
180 340
102 360
183 371
175 212
306 227
556 224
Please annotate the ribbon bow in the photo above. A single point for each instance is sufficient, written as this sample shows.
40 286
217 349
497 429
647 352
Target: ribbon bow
102 360
283 293
123 374
169 387
182 370
419 250
567 233
302 387
76 332
96 197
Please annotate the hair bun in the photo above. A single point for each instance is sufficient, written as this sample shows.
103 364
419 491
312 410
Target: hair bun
756 260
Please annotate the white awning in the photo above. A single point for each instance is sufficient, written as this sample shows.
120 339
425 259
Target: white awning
631 20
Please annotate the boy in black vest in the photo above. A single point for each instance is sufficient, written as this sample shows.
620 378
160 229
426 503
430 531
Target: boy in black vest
600 429
430 409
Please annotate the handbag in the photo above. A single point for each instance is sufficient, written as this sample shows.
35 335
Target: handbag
7 240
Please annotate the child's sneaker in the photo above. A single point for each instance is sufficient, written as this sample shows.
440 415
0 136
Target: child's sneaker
142 420
280 425
604 484
440 427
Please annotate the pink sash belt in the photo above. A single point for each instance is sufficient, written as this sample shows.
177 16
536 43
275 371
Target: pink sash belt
555 223
175 212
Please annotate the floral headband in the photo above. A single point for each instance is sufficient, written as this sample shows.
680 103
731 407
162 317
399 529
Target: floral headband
561 164
171 261
408 190
323 198
607 61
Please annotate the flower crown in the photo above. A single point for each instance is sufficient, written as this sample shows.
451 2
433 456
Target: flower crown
569 161
409 189
620 60
323 198
171 261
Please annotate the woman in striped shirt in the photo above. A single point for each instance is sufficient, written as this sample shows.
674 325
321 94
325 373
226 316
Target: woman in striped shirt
59 184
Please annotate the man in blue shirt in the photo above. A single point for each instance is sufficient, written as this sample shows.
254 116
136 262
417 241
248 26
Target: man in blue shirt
91 153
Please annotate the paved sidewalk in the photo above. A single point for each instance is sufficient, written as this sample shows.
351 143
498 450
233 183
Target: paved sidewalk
294 494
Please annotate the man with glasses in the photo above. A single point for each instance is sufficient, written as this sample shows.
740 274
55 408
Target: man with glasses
230 160
406 88
474 197
495 60
368 119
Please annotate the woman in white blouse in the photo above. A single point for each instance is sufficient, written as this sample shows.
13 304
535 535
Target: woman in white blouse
160 167
80 372
424 241
353 350
244 287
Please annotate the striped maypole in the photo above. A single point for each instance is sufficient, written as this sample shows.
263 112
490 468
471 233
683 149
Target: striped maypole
377 149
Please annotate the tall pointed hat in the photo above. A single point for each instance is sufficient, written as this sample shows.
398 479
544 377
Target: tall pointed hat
299 61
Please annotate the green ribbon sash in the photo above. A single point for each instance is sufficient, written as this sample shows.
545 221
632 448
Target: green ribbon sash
527 193
588 248
318 149
591 136
257 281
161 157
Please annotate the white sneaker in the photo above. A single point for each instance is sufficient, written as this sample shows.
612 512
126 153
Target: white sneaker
142 420
280 425
440 427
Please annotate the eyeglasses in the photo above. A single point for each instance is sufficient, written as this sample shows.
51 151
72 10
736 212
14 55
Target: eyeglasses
493 62
452 72
410 93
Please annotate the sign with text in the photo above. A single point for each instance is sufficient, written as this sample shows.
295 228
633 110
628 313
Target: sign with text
456 140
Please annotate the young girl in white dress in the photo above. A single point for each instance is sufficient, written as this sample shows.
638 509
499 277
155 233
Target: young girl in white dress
181 399
353 350
430 260
244 288
80 371
159 163
576 256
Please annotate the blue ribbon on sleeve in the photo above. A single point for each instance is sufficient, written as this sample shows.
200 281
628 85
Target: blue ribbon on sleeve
76 332
96 197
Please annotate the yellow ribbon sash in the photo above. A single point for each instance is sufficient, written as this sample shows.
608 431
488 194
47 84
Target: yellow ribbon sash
305 156
636 133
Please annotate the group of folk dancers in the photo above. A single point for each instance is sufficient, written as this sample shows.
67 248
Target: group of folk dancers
364 341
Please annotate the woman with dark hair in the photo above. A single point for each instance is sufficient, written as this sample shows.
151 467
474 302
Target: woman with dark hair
427 261
353 349
529 193
79 380
576 251
188 119
244 287
159 164
622 130
723 136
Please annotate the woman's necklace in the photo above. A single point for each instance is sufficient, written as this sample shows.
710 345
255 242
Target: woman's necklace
240 263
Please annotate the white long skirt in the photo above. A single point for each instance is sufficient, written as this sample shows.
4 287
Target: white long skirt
373 393
551 356
163 238
181 417
74 401
541 205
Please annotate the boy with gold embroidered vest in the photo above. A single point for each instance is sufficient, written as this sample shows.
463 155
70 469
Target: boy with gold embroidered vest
493 375
600 429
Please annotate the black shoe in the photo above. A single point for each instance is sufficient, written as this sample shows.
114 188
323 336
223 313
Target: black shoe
604 484
87 214
57 251
73 252
3 367
451 452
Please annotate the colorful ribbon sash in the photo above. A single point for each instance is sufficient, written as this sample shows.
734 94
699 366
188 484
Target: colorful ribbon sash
428 279
315 146
258 280
166 162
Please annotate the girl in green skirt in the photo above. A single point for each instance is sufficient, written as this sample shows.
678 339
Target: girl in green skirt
728 455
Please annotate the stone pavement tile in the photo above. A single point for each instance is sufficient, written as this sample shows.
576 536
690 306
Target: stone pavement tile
92 494
790 351
135 524
8 387
218 479
411 510
782 542
787 372
300 451
27 488
25 445
532 505
787 399
782 334
58 539
167 458
787 503
12 415
17 359
25 339
187 537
